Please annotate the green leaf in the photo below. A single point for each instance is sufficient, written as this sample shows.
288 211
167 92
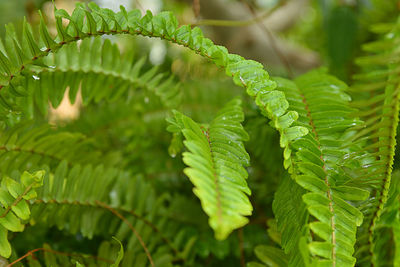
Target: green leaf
120 254
271 256
12 223
44 34
5 247
29 45
22 210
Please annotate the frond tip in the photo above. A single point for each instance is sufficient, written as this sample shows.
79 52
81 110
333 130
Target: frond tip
216 161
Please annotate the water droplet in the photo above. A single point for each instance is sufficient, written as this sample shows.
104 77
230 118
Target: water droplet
173 155
146 100
35 77
367 166
52 67
43 49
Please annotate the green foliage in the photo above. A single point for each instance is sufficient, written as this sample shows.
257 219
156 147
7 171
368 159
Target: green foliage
109 173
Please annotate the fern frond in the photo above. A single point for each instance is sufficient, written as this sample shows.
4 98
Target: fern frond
323 108
377 93
216 159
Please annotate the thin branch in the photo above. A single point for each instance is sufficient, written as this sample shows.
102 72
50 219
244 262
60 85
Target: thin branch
239 23
30 253
271 37
196 8
119 215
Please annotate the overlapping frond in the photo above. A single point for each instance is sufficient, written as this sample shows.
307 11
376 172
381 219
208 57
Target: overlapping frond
82 198
376 94
322 106
99 70
25 147
216 159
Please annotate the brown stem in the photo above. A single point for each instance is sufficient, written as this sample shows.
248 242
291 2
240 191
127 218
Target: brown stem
271 37
196 8
238 23
30 253
131 212
119 215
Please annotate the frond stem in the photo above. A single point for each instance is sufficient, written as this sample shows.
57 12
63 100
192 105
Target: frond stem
31 151
31 252
388 173
328 193
219 212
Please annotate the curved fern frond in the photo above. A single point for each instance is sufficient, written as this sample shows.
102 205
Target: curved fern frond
98 21
322 106
377 93
216 159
